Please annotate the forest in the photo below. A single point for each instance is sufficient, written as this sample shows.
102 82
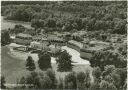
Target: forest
67 16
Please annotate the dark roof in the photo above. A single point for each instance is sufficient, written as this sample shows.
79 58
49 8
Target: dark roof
94 48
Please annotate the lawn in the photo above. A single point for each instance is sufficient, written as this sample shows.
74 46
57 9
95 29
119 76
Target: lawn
14 68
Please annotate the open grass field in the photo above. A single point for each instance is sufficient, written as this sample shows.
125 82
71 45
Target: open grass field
14 68
11 68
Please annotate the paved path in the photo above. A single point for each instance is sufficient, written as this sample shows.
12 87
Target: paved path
75 56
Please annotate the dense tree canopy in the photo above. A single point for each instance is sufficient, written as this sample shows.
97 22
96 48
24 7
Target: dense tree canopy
44 61
64 62
96 15
103 58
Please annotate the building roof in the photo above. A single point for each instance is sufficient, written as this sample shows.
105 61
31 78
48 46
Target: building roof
54 38
24 35
79 33
16 45
22 41
94 48
79 44
98 43
35 42
54 49
39 37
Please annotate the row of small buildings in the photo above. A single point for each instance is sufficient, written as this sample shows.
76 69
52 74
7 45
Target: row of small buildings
44 42
86 49
38 43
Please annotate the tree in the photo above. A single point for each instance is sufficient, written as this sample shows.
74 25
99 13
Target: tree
44 61
17 29
52 77
96 73
3 82
125 85
51 23
108 78
80 80
37 23
122 49
60 84
116 80
33 80
46 82
90 25
67 27
21 13
120 76
104 84
112 86
79 24
23 82
120 27
104 37
64 62
30 65
70 81
87 80
37 82
100 25
103 58
30 81
95 85
108 69
5 37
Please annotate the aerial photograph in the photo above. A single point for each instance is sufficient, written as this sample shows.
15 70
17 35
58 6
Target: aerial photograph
64 45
